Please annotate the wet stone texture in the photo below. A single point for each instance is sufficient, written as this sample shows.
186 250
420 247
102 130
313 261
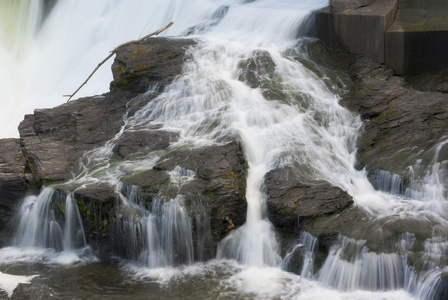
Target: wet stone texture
217 189
54 141
401 123
13 182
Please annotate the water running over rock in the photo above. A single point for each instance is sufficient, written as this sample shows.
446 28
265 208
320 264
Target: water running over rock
175 171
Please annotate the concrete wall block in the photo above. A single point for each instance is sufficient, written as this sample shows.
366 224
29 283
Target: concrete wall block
361 34
349 3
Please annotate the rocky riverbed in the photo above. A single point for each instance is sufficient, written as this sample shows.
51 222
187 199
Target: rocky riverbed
400 124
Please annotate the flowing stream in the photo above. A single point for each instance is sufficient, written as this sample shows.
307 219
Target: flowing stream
48 51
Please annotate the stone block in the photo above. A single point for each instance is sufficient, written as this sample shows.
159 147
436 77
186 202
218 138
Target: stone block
413 52
360 31
417 41
349 3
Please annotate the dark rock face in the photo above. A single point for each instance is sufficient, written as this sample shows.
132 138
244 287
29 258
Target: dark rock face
218 187
292 203
154 63
96 204
13 182
294 206
400 122
144 141
53 140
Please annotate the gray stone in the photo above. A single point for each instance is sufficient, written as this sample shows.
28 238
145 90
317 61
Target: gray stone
360 30
14 180
216 192
402 125
292 203
417 41
54 140
349 3
154 63
144 141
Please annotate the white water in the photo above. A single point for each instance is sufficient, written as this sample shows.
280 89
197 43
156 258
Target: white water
308 129
9 282
40 226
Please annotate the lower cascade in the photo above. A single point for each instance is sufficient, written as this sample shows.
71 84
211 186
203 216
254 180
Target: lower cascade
231 176
49 221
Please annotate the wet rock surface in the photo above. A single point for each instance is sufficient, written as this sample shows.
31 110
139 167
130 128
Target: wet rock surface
315 207
401 123
53 140
154 63
143 141
217 188
291 203
13 183
404 119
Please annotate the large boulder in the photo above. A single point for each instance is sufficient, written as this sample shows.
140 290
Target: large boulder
292 203
295 205
54 140
154 63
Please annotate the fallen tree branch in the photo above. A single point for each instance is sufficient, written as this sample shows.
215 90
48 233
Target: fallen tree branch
114 52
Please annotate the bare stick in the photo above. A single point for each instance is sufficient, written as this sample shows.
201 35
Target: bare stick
144 38
91 74
115 51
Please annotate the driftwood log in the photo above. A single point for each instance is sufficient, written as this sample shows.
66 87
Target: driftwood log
115 51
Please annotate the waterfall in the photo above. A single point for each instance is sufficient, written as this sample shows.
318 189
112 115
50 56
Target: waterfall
244 79
157 238
48 222
302 255
351 266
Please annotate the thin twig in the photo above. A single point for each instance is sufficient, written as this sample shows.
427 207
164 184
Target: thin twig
115 51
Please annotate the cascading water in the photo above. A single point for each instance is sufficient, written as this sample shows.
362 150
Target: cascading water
158 238
50 221
307 247
243 78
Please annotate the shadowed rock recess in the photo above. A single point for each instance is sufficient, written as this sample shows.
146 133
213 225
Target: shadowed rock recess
398 119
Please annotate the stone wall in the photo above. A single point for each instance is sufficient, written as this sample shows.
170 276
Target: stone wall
410 36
